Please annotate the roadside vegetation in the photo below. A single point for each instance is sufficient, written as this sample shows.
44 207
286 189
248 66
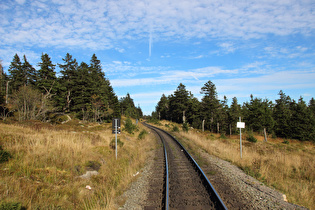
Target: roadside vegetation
42 165
284 164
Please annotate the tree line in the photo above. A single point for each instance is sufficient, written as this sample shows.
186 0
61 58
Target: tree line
82 89
285 118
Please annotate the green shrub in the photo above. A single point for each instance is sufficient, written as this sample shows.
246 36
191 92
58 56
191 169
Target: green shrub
129 126
286 142
223 136
154 121
142 134
175 128
185 127
4 155
251 138
11 206
119 143
94 165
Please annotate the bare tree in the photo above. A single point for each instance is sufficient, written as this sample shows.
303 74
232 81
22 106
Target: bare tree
30 104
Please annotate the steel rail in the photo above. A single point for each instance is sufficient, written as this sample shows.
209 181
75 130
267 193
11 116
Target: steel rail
166 199
220 204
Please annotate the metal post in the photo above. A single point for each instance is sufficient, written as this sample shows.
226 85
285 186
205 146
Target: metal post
241 139
116 136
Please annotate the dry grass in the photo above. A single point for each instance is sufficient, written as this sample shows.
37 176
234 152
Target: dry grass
47 161
286 167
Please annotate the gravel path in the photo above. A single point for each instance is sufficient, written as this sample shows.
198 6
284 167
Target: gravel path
236 189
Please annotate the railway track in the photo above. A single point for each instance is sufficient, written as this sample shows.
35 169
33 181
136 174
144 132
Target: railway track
178 182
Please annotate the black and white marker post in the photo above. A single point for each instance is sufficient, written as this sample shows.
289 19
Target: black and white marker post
116 129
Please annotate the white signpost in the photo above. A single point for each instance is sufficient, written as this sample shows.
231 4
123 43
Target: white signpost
116 129
240 125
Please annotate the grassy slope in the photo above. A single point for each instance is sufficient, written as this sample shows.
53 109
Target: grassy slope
47 161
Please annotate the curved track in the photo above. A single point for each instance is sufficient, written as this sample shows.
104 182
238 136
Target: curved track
182 184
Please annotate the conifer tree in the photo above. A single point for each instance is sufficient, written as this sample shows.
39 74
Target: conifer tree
209 105
162 108
47 80
67 80
222 113
258 114
82 92
233 114
17 78
193 113
29 72
128 107
179 103
282 115
302 122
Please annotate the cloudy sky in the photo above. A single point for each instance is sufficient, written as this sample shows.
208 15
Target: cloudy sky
148 47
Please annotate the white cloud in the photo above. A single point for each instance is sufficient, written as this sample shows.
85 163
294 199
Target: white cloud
276 81
20 1
227 47
98 24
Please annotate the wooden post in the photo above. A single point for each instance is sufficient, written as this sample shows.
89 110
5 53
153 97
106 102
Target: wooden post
203 125
184 118
218 127
230 130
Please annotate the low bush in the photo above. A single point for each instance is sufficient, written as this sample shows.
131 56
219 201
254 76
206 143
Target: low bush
11 206
251 138
222 136
142 134
185 127
175 129
4 155
94 165
286 142
119 143
130 127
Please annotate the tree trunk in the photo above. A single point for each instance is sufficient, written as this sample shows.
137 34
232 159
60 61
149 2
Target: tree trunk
7 93
218 127
265 134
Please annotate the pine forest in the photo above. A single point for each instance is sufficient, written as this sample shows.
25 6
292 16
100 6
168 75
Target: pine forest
286 118
81 90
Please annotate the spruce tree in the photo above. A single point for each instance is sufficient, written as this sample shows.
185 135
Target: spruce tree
209 105
17 77
233 115
193 112
47 80
302 122
282 115
67 80
258 114
29 72
162 108
82 92
179 103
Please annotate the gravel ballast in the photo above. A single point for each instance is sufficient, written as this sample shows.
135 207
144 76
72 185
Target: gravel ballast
237 189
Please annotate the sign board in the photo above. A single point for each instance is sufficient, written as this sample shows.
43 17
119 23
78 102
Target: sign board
116 125
240 125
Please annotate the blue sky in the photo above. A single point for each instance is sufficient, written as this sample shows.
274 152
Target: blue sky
148 47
